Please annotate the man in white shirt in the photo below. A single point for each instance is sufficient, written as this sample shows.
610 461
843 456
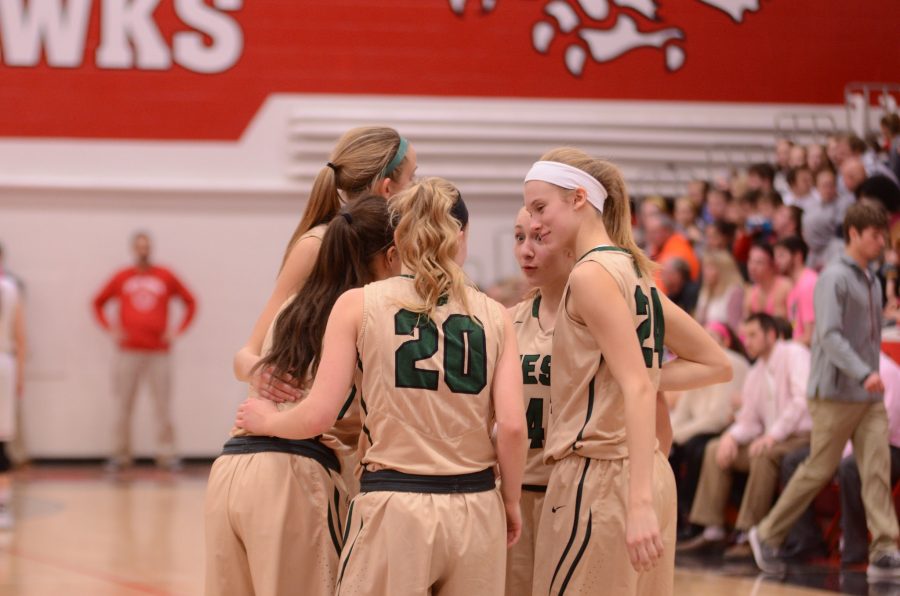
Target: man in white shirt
773 421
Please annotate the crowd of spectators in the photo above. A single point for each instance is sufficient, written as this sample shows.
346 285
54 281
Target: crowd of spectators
743 255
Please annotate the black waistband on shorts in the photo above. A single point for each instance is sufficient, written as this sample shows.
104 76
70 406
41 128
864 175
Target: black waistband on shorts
534 488
307 448
394 481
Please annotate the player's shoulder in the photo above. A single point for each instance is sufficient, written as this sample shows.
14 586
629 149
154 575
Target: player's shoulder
524 310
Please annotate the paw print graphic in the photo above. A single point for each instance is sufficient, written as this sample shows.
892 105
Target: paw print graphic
605 44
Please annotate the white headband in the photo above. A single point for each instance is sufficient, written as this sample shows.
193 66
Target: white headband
569 177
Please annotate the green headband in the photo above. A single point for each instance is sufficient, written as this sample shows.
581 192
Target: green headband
398 157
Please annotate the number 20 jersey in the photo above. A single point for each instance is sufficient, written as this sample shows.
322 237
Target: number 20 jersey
587 415
426 381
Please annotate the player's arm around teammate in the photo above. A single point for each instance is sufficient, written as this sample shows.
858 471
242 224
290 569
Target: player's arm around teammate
366 160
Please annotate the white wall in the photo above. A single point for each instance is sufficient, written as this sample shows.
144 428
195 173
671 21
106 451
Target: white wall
227 250
220 214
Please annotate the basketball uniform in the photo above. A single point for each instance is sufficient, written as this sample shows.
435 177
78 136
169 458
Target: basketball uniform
429 518
274 508
9 299
535 345
581 538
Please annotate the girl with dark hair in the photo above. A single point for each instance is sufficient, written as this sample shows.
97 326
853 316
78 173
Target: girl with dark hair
275 508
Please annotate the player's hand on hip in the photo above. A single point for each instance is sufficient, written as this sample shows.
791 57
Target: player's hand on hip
273 388
253 414
642 537
513 523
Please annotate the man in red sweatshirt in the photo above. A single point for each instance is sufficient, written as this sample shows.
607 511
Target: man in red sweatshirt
143 293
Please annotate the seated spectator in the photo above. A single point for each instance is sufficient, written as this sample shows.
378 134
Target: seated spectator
700 415
761 177
783 150
787 221
717 202
663 243
816 158
769 290
697 191
721 291
686 221
790 260
719 235
742 209
822 220
806 536
649 207
801 182
853 173
773 421
851 146
797 158
676 275
890 133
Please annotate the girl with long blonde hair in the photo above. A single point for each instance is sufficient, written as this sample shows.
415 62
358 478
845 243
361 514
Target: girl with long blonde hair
439 368
610 508
722 291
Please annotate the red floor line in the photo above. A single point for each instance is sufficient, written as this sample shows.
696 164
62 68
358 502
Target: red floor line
92 573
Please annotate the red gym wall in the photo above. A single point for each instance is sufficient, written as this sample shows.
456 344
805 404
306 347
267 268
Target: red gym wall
195 69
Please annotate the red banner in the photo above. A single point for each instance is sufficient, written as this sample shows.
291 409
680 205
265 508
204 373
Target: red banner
200 69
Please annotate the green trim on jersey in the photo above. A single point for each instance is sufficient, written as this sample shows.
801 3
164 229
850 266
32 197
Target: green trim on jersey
536 307
612 249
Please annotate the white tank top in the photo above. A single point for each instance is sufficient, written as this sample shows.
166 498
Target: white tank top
9 298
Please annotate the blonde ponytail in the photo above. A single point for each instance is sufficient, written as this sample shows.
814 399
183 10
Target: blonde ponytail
616 209
356 166
427 239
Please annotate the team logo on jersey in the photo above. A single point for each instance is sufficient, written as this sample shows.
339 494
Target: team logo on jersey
608 42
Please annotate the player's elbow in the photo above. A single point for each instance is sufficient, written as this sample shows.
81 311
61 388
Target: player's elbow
318 422
722 371
512 431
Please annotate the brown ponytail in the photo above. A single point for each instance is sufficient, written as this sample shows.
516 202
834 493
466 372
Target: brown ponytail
351 242
355 166
616 209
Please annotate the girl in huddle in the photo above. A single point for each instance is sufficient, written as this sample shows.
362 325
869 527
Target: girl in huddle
274 507
610 507
533 319
439 368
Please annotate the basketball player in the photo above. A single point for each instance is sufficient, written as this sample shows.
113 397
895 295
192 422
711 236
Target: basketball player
366 160
533 319
275 508
610 507
439 366
12 361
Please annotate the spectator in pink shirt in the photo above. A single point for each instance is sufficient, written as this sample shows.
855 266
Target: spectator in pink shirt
790 259
773 421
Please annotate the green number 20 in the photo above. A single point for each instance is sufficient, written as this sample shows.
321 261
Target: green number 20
656 321
465 353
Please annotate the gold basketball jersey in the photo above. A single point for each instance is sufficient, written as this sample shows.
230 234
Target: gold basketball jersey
535 345
426 382
587 406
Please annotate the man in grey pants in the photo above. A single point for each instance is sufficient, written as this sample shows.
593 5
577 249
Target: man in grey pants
846 400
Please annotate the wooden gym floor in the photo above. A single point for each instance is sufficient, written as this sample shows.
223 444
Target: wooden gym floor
79 532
